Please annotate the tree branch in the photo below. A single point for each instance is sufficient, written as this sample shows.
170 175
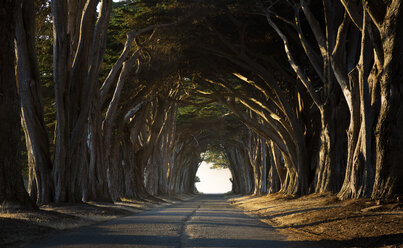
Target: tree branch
354 12
304 79
313 57
338 62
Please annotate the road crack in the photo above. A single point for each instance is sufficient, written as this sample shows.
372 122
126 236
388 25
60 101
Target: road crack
183 235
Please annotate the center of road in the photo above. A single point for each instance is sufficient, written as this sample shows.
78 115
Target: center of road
184 235
205 221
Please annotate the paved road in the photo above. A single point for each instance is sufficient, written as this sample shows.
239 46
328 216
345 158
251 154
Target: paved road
206 221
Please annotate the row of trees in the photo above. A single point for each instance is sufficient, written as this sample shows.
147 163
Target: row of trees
297 97
115 126
339 59
353 49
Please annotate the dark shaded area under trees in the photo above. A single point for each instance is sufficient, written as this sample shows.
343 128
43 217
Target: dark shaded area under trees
119 100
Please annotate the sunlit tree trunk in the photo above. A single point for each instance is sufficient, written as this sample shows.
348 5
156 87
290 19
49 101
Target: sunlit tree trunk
359 175
273 178
389 172
258 160
37 142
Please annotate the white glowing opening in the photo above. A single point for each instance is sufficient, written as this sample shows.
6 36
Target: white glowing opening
213 181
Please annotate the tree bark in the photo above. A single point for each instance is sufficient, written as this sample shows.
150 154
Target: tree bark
79 45
273 178
359 174
332 159
36 136
257 158
389 172
12 190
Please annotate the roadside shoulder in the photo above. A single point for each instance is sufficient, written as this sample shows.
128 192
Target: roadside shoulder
324 219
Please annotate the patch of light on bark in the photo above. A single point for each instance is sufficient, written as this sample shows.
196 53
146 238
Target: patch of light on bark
213 181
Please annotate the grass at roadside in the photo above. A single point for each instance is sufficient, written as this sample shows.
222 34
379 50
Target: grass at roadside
326 221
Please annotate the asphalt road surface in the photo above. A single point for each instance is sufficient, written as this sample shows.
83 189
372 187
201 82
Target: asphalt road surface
205 221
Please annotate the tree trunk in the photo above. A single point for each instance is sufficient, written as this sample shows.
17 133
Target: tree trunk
79 45
359 174
36 135
332 159
134 173
276 172
240 164
263 169
12 191
99 164
389 156
280 169
257 157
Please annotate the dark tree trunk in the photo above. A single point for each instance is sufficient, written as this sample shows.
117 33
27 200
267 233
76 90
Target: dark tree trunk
236 167
12 190
79 45
99 164
133 166
157 168
332 154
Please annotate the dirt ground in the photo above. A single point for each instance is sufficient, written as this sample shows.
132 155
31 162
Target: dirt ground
326 221
19 227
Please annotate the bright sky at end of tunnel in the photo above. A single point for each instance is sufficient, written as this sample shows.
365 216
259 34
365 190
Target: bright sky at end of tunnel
213 181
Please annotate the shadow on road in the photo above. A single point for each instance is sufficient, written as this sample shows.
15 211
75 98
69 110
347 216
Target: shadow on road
206 221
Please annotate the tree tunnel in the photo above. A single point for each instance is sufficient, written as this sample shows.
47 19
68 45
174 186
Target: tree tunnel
134 91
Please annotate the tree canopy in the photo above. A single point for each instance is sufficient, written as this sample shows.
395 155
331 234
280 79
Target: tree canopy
125 99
